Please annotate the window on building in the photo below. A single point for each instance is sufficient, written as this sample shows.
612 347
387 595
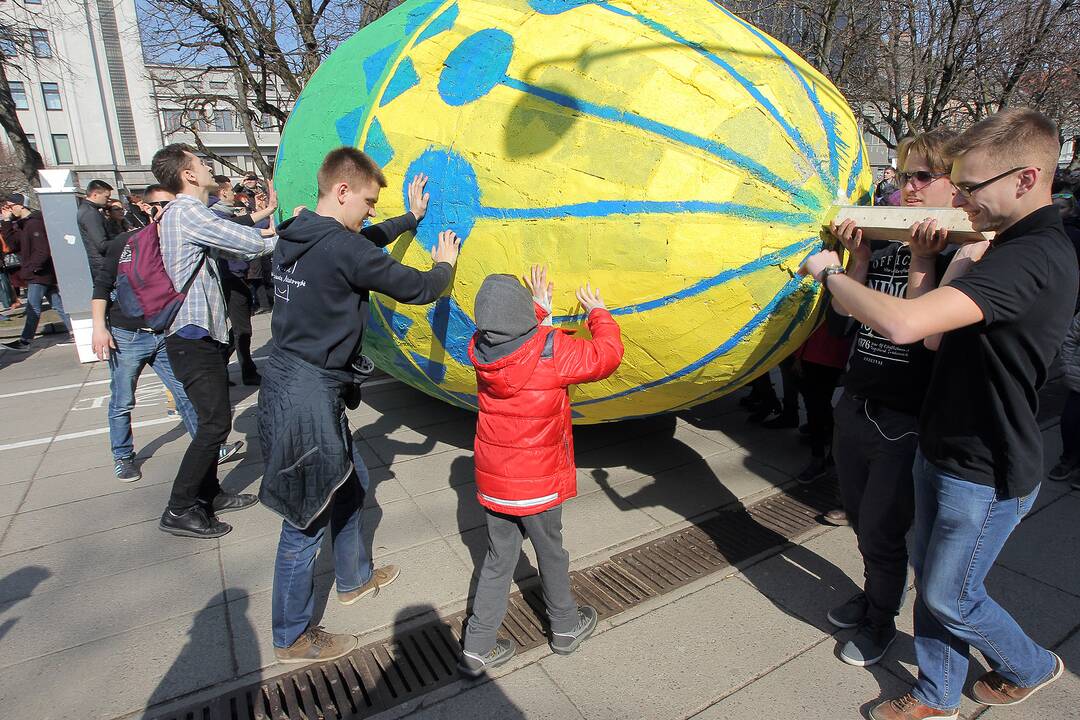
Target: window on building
224 121
32 2
40 40
51 93
8 46
62 149
195 121
32 139
18 95
219 84
171 120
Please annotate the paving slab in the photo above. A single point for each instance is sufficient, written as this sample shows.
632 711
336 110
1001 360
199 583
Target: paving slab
109 606
20 467
812 685
1045 545
124 673
11 497
435 472
526 693
594 522
453 510
697 650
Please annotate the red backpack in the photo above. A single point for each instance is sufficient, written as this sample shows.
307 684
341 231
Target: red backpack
143 288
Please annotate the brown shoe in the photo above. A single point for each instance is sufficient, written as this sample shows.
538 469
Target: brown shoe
836 517
992 689
907 707
379 579
316 645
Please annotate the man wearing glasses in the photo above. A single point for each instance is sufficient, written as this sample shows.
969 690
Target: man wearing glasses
129 346
979 461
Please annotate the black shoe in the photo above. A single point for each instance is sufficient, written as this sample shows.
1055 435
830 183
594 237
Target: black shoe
868 645
193 523
764 410
1064 471
227 502
20 345
126 469
850 614
253 379
228 451
817 469
782 421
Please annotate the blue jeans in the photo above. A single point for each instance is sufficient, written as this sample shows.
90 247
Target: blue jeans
294 569
135 349
35 293
960 528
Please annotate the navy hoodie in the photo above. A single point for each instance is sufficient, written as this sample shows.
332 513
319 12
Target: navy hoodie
322 275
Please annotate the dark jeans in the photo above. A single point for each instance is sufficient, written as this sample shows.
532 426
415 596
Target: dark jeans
201 366
817 384
294 569
873 464
1070 430
505 533
789 378
238 302
7 293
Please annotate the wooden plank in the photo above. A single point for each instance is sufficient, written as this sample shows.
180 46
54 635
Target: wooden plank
893 223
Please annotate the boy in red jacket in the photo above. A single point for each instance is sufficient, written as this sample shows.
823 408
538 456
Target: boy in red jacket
524 451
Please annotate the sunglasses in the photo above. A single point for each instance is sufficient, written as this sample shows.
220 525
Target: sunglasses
921 177
159 203
966 190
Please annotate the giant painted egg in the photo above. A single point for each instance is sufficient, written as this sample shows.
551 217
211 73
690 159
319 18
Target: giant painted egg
665 151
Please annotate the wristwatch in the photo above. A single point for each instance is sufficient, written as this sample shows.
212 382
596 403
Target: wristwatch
831 270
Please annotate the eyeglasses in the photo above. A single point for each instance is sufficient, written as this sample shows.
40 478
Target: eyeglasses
966 190
922 177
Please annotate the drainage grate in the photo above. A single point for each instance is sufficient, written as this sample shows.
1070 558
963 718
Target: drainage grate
387 673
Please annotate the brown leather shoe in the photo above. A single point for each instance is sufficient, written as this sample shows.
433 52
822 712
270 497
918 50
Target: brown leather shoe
379 579
316 645
836 517
992 689
907 707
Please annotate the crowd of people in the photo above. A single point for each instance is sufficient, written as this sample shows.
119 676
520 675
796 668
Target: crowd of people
938 351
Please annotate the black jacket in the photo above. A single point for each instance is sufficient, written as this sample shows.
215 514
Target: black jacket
94 235
322 275
305 436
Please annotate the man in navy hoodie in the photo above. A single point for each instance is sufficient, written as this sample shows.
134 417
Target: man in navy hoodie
325 265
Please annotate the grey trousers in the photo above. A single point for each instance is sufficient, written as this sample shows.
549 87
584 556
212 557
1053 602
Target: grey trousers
505 534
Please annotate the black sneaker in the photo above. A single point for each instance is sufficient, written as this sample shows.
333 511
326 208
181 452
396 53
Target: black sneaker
194 523
850 614
818 469
20 345
566 643
227 502
226 452
782 422
1063 471
475 665
869 645
126 470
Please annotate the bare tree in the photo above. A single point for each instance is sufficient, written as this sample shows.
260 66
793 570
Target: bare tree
271 47
16 48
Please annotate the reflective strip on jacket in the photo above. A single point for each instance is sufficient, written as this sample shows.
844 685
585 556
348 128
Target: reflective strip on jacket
524 450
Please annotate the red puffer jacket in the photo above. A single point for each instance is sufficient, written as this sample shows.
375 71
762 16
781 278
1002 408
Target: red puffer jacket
524 450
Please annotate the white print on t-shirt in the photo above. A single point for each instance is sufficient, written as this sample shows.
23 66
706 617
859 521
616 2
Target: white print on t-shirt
283 281
888 274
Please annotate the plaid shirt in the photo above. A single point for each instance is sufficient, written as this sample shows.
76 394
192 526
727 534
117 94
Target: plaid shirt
190 232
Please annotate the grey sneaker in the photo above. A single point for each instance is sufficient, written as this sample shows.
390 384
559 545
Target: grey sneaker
851 613
869 645
126 470
566 643
20 345
379 579
1063 471
475 665
226 452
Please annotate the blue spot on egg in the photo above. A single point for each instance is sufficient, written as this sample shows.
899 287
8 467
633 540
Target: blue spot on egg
404 79
377 146
558 7
475 66
455 195
443 23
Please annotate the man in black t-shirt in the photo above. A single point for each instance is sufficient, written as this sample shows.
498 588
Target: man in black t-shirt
877 417
980 447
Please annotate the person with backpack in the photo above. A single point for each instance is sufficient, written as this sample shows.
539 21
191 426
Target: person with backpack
129 344
197 338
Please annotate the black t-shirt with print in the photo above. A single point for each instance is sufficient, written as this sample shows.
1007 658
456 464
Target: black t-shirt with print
979 421
892 375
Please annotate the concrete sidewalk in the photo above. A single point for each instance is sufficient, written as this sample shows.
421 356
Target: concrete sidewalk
104 616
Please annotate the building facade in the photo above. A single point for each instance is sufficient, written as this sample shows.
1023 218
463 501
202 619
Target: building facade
80 87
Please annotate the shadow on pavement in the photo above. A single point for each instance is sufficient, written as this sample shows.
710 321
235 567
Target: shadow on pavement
17 586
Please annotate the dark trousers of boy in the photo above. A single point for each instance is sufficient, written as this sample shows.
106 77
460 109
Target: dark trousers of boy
817 385
874 448
505 534
201 366
1070 430
238 303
